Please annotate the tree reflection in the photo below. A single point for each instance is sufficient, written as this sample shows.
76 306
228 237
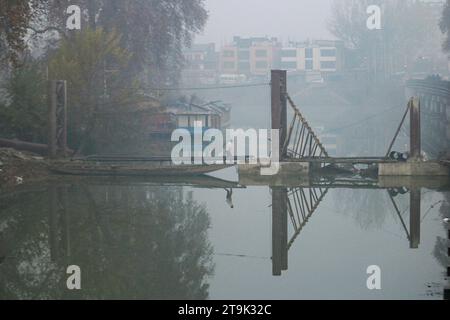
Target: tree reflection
441 246
369 208
131 242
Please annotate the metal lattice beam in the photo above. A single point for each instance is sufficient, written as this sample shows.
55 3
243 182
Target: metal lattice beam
301 205
301 141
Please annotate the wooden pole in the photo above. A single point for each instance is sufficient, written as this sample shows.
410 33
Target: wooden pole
41 149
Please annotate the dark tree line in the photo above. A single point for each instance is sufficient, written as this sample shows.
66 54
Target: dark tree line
130 242
154 31
124 48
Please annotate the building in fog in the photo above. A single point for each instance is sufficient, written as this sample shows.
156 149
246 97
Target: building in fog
247 59
201 64
251 57
320 56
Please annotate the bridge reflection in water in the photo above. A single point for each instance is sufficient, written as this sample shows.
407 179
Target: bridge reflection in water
117 227
292 205
297 205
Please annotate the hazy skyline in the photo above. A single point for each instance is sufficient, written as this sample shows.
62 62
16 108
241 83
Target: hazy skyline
285 19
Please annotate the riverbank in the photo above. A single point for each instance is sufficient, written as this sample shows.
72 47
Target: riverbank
19 167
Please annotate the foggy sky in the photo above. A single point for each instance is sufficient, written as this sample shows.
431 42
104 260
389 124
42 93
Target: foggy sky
286 19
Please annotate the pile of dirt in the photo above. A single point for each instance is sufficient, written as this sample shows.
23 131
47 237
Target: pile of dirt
17 167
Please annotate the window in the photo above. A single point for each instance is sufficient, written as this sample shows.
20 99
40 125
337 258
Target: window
261 53
261 65
210 65
244 66
199 120
309 53
328 65
229 65
289 65
183 121
328 52
309 65
228 54
292 53
244 55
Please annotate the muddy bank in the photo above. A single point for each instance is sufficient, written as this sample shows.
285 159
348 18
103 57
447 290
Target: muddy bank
19 167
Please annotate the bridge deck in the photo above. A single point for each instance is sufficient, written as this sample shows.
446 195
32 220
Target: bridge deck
168 159
347 160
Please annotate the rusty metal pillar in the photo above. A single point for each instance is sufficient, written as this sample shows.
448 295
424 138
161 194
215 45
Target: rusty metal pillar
415 143
52 119
279 106
279 231
414 220
57 118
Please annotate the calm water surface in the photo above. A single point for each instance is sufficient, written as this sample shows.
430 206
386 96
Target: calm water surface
139 240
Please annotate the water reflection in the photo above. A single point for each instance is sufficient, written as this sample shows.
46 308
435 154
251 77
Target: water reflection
151 240
295 206
131 242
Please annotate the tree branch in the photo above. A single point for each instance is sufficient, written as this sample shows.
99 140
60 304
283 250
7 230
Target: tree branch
42 31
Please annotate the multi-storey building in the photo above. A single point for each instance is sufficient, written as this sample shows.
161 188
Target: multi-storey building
249 56
201 64
320 56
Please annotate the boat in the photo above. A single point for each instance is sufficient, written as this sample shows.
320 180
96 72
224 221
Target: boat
123 169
